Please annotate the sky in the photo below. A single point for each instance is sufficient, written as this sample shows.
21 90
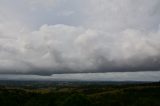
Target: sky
102 39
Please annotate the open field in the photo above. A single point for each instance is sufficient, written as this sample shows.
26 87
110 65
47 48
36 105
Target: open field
32 93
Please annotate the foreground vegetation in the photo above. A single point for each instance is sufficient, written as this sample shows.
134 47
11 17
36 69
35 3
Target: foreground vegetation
147 94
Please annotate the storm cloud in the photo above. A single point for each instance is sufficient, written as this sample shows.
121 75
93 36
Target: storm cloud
79 36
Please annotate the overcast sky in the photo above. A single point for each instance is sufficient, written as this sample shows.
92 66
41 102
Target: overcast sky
45 37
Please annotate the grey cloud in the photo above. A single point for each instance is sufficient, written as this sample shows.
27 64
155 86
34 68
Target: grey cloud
109 36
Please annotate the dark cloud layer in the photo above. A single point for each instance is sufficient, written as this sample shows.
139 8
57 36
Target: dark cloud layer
109 76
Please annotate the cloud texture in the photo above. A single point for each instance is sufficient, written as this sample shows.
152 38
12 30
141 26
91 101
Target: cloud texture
60 36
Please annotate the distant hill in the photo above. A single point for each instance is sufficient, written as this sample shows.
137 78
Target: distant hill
47 93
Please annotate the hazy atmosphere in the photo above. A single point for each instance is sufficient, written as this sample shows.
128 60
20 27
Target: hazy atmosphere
80 39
